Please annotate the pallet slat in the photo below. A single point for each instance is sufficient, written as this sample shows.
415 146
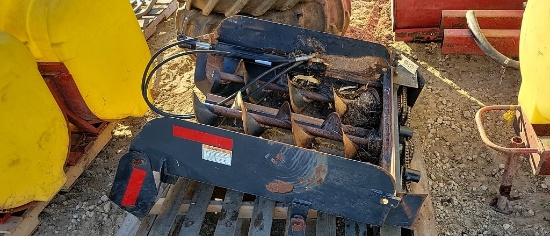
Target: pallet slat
227 225
354 228
164 221
73 172
161 11
326 224
261 221
27 223
195 216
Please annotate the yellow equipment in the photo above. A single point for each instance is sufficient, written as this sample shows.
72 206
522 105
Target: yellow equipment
534 95
34 141
102 47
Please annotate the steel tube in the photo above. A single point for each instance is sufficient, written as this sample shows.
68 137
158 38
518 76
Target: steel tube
313 129
503 203
483 133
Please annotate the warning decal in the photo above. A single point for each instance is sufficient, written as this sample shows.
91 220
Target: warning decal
215 154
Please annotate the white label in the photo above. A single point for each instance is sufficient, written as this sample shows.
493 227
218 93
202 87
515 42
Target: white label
408 64
215 154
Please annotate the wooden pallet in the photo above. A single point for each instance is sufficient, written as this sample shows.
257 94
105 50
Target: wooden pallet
27 221
161 11
181 208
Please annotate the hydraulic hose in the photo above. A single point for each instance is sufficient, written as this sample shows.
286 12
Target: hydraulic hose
485 46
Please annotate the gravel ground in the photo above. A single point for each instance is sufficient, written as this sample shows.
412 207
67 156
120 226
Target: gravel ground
463 173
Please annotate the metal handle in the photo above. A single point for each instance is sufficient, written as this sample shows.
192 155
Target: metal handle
483 134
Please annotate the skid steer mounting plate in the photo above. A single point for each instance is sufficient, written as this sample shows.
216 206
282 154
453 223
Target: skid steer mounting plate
281 172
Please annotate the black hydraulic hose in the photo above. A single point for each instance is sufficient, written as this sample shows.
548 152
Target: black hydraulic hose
485 46
273 79
148 76
242 89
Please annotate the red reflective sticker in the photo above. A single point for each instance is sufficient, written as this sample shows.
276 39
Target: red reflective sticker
134 186
204 138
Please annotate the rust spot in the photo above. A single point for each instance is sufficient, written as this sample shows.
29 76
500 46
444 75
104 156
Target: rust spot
300 180
320 181
278 159
297 223
320 170
137 162
279 186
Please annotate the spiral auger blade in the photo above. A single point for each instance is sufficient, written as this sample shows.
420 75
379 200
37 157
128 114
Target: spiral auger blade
350 148
250 125
284 112
340 104
300 136
202 113
297 99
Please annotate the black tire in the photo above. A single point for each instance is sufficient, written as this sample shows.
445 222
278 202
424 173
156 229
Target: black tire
330 16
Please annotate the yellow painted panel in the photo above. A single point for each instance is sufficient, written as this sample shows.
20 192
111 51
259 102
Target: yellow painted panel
99 41
534 94
35 140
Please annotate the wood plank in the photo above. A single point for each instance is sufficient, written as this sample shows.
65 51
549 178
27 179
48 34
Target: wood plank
262 217
311 227
461 41
425 223
227 224
169 211
354 228
242 227
129 226
326 224
27 223
245 211
146 223
149 27
195 216
487 19
73 172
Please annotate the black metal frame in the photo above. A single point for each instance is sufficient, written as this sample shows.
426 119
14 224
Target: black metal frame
285 173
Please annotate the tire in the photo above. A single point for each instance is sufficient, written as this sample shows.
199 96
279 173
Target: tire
201 17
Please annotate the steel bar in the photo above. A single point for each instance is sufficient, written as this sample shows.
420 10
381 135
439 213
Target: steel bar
390 160
503 203
271 112
371 140
485 138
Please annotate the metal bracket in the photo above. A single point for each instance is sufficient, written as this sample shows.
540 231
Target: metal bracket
298 217
405 72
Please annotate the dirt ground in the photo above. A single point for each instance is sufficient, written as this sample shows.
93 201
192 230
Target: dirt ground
463 173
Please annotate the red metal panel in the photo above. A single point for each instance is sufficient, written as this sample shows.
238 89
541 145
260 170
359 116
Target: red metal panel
421 34
134 187
427 13
487 19
460 41
204 138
